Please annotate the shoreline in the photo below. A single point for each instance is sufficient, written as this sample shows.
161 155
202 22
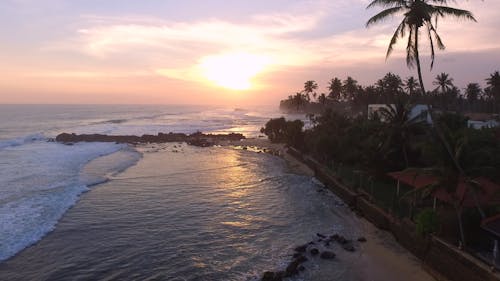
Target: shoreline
381 257
367 257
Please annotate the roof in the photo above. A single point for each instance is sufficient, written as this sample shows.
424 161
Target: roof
488 195
413 179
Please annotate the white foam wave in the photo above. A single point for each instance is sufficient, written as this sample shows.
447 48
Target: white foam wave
21 140
38 183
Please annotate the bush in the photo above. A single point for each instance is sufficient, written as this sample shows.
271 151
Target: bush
427 222
281 131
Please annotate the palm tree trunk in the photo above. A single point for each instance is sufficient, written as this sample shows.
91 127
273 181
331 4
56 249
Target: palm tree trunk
405 154
460 225
431 110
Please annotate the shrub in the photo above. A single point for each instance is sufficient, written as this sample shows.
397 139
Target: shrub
281 131
427 222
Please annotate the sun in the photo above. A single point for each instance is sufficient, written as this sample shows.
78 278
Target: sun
232 70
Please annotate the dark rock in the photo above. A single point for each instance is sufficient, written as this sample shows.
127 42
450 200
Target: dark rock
198 139
272 276
362 239
327 255
320 235
293 268
268 276
348 247
339 238
314 251
296 255
301 249
302 268
312 243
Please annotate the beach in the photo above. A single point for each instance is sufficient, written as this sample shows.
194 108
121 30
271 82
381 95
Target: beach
222 213
107 211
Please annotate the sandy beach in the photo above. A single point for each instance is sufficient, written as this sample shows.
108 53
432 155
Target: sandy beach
379 258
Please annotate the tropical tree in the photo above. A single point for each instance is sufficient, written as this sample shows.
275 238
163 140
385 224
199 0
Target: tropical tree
335 89
411 85
493 89
472 92
310 88
419 14
416 14
299 100
322 99
349 88
443 82
390 85
400 126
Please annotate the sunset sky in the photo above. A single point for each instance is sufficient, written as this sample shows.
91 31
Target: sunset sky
215 51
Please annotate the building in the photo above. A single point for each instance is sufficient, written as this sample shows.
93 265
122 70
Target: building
482 120
421 110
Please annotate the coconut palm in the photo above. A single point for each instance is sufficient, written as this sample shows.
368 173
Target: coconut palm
399 127
335 89
443 82
349 88
322 99
472 92
411 85
310 87
419 14
493 88
299 100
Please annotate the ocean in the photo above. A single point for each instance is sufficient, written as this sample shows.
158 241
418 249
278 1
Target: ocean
106 211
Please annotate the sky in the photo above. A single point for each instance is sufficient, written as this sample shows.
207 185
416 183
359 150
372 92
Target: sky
217 52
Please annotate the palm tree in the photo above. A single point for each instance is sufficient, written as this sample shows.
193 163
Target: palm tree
310 87
400 126
443 82
390 85
349 88
419 14
472 92
411 86
493 88
322 99
299 100
335 89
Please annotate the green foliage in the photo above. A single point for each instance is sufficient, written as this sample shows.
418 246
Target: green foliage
453 121
281 131
426 222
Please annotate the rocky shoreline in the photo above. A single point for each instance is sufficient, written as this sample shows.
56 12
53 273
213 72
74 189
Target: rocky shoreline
318 248
196 139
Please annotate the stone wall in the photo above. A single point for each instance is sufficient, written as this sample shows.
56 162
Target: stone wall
438 256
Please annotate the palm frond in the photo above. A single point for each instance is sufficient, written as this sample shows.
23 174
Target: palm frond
398 33
383 15
387 3
410 47
458 13
431 41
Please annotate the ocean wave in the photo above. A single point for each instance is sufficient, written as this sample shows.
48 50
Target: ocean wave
54 176
22 140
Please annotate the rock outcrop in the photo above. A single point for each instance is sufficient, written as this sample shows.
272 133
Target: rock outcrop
197 139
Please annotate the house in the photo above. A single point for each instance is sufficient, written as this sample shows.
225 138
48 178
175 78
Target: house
482 120
421 110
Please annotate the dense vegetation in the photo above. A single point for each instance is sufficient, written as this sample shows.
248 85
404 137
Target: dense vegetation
348 94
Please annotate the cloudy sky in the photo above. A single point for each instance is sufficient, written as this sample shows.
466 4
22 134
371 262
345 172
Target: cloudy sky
215 51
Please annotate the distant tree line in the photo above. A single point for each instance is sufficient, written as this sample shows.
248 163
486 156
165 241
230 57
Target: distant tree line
392 88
